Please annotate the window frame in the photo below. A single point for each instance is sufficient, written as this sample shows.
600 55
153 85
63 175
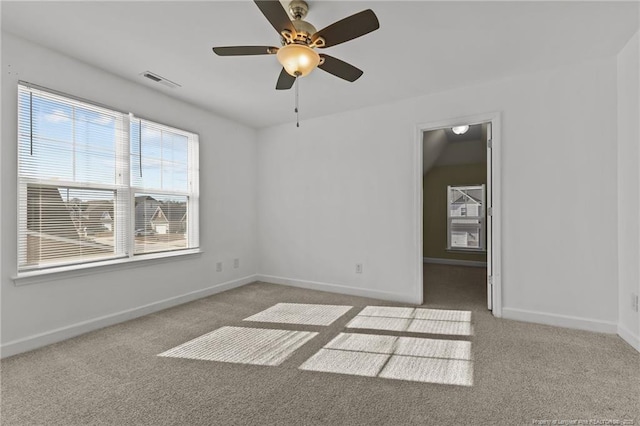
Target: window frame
123 199
22 224
192 193
482 248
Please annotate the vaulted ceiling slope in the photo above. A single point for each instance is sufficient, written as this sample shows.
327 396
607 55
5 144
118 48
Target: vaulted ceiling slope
420 48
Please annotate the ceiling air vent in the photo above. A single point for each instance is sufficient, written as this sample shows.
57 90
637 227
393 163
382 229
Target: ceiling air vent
160 79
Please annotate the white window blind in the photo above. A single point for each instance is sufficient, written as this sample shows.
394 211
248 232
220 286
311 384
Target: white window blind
76 202
69 195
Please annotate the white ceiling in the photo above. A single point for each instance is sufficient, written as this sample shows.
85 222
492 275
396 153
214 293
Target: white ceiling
421 47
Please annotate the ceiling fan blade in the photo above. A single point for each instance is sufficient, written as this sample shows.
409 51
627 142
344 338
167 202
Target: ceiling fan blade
340 68
285 80
276 15
244 50
348 28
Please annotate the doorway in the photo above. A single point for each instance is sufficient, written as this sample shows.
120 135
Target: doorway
461 157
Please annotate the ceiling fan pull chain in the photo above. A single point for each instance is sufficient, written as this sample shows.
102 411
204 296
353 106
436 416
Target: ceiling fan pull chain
297 102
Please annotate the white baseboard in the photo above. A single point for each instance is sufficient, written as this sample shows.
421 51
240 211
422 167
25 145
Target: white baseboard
629 337
42 339
475 263
338 288
560 320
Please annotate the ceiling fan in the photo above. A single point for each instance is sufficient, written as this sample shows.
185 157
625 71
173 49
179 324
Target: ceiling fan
299 39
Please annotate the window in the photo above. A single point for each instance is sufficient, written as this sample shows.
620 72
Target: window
82 172
466 217
163 187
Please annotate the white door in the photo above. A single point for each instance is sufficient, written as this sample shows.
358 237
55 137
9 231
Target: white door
489 220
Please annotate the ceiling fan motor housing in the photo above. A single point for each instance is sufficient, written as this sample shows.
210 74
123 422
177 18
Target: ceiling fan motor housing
298 9
304 31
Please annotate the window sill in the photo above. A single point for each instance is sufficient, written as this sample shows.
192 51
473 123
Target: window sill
466 250
72 271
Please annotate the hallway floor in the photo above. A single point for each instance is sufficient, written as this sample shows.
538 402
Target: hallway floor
455 287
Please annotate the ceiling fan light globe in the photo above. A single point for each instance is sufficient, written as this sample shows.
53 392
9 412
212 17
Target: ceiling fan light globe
297 59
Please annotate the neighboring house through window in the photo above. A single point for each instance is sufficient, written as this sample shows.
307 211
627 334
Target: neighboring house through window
466 218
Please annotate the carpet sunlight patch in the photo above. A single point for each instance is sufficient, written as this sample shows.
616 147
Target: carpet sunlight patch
446 362
380 323
430 370
414 320
346 362
242 345
300 313
363 343
442 315
457 328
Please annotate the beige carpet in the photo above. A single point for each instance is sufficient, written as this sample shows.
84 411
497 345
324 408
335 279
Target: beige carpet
521 372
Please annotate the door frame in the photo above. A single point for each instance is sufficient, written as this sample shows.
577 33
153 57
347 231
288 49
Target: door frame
496 199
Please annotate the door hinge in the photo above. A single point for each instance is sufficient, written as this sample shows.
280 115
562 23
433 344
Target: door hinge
489 211
491 280
489 143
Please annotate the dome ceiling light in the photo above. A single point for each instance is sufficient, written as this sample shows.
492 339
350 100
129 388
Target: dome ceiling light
460 130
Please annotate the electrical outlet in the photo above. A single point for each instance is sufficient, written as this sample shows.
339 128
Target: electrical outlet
634 302
358 268
219 267
236 263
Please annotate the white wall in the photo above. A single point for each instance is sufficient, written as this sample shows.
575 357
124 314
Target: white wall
339 190
43 312
629 188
